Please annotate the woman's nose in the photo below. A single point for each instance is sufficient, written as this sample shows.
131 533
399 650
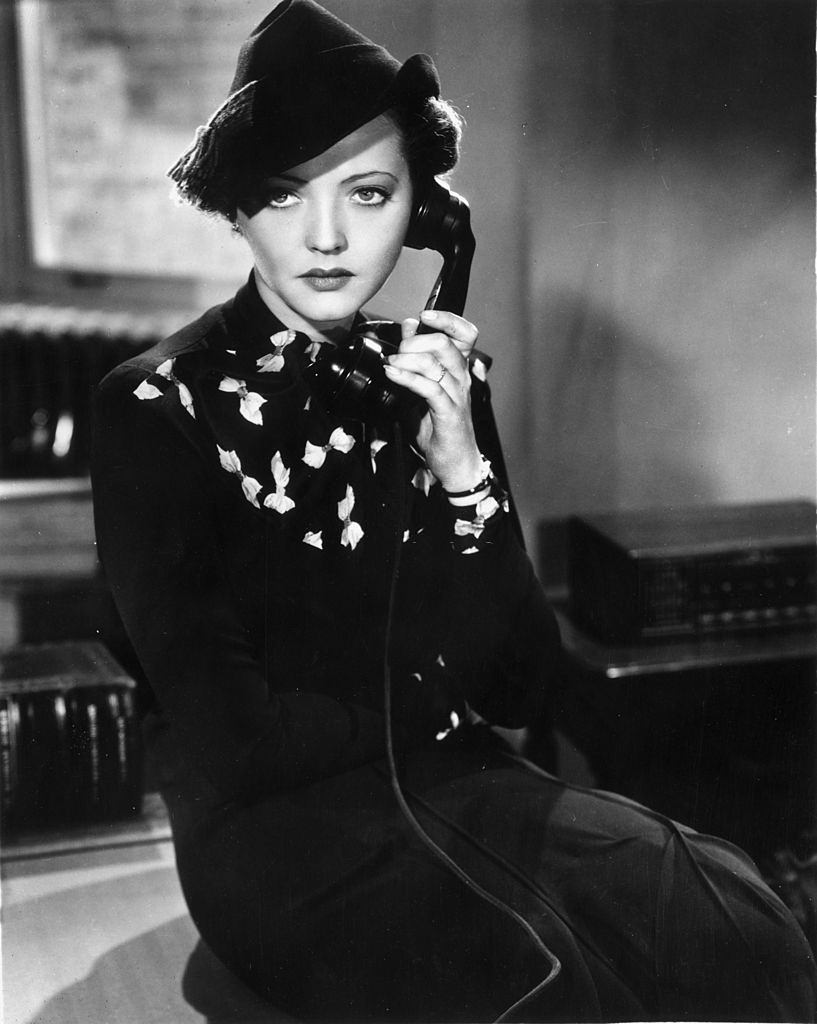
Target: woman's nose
325 230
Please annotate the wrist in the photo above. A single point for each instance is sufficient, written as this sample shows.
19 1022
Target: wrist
470 487
471 499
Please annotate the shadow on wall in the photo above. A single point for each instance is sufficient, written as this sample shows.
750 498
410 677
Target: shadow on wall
617 420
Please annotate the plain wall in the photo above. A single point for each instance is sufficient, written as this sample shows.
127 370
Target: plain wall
672 254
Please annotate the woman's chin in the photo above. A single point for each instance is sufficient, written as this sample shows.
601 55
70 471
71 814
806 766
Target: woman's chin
329 310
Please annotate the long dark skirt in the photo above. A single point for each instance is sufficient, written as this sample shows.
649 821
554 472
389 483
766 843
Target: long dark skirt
326 902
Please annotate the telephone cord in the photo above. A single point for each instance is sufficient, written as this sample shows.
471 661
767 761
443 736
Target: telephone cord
494 901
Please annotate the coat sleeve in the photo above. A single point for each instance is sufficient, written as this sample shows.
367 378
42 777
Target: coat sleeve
504 643
157 541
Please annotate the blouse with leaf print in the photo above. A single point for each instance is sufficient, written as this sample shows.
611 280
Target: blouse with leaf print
249 540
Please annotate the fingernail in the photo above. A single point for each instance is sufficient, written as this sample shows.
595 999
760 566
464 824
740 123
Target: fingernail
429 314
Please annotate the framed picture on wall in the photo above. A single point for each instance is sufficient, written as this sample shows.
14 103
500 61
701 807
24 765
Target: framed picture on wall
109 92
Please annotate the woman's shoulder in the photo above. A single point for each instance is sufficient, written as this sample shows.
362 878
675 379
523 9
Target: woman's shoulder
195 336
149 387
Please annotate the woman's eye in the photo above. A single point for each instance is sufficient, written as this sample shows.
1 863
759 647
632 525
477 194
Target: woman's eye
371 196
281 198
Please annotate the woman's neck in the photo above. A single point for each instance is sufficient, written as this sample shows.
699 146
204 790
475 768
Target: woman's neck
332 332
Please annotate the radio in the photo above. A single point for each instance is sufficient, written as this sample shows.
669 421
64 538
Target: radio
691 571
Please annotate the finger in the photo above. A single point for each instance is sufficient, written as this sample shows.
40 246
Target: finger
441 365
462 332
439 347
409 326
433 391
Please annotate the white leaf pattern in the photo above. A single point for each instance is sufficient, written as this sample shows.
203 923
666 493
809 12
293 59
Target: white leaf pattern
462 527
315 540
374 448
251 488
454 719
345 505
315 454
279 501
186 398
424 480
165 369
229 460
352 532
250 402
280 473
232 464
146 391
341 441
273 362
485 509
479 369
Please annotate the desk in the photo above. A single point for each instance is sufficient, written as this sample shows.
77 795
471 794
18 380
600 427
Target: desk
717 732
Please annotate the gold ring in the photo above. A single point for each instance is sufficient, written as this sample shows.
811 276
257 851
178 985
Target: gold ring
443 372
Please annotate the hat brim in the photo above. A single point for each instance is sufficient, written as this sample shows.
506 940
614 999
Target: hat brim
288 117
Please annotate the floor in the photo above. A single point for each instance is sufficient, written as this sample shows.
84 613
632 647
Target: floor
95 931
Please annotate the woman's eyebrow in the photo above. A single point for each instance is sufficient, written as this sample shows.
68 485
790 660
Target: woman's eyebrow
368 174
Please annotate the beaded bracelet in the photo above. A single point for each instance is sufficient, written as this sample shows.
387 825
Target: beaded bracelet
484 481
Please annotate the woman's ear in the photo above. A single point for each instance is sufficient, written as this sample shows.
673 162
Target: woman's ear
235 222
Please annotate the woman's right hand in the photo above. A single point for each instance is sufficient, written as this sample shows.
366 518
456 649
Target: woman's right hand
434 366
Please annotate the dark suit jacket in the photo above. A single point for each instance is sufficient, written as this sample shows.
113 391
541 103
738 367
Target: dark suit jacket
252 541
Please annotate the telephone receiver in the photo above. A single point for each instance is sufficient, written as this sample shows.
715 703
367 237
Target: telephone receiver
349 378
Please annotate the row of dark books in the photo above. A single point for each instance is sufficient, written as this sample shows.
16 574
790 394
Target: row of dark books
70 750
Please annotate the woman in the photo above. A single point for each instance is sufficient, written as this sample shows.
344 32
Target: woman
318 603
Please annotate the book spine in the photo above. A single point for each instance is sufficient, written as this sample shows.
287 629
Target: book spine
69 757
9 717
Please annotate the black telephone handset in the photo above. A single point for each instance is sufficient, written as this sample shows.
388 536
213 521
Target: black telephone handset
350 377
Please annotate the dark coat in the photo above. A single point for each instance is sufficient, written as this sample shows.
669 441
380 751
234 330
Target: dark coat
251 541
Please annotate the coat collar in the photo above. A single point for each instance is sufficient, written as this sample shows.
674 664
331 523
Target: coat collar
248 317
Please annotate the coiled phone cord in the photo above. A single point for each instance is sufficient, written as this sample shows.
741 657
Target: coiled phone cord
494 901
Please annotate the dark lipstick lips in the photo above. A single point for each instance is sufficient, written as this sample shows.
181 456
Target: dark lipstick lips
334 272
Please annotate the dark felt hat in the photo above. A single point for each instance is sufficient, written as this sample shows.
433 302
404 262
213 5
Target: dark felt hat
304 80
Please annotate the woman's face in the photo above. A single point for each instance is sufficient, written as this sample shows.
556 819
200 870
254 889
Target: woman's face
333 229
